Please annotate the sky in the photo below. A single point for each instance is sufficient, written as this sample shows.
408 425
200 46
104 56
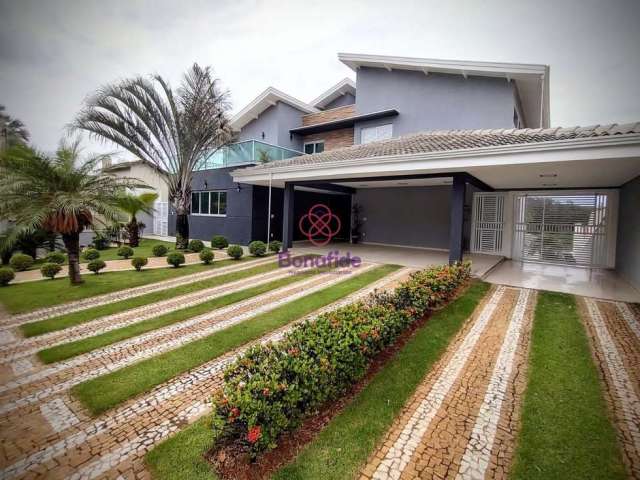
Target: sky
53 53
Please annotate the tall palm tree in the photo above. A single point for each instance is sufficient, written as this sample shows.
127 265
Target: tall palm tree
12 131
60 194
171 130
132 205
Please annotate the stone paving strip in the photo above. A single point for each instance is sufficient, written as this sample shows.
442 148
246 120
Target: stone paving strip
61 376
115 444
90 302
122 319
454 425
613 332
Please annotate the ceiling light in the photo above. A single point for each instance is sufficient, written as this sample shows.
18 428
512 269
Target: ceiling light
363 185
549 184
548 175
403 183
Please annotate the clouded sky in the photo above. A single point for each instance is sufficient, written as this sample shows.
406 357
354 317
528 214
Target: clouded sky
53 52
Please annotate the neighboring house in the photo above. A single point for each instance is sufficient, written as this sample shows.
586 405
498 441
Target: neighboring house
157 222
439 154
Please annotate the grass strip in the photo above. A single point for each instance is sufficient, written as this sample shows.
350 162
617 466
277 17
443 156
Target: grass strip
566 433
27 296
105 392
345 444
76 318
67 350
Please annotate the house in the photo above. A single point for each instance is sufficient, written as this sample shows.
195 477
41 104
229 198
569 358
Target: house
157 222
441 155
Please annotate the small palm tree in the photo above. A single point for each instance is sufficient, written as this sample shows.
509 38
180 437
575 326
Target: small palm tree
171 130
132 205
60 194
12 131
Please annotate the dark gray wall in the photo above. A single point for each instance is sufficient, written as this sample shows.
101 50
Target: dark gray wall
341 101
275 122
433 102
628 247
236 226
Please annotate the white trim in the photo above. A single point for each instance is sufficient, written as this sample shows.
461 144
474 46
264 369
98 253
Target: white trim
265 100
344 86
397 245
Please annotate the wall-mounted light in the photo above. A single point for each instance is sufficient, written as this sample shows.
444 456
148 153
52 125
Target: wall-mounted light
206 185
238 188
263 135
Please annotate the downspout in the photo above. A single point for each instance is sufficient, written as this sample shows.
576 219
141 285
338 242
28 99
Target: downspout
269 211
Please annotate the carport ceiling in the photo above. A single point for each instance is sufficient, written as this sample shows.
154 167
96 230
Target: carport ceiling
417 182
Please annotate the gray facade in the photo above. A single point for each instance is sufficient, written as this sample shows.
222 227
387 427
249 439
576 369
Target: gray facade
341 101
433 102
273 125
628 248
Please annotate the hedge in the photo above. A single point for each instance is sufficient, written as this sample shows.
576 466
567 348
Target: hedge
21 262
273 387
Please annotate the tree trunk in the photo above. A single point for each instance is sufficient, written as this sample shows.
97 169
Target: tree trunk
72 244
134 233
182 230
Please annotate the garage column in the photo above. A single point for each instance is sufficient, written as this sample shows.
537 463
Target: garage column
287 216
456 219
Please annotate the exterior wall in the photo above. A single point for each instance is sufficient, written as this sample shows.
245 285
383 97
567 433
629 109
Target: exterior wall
236 225
332 139
152 178
433 102
628 244
342 100
329 115
275 123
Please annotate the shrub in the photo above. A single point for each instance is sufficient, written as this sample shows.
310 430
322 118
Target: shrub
6 275
195 245
275 246
125 251
159 250
55 257
176 259
96 265
21 261
139 262
235 251
91 254
50 270
206 256
273 387
101 241
219 242
258 248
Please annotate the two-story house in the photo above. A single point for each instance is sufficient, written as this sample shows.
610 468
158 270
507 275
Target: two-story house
437 154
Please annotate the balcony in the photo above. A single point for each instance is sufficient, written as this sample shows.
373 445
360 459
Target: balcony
242 153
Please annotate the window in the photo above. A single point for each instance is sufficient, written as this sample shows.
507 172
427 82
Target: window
377 133
209 203
314 147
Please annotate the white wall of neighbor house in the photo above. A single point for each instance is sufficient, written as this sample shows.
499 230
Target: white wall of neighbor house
628 249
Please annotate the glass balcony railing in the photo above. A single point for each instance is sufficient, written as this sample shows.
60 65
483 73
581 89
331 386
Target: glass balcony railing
250 151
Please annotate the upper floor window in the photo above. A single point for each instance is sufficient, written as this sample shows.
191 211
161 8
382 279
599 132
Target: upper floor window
314 147
377 133
209 203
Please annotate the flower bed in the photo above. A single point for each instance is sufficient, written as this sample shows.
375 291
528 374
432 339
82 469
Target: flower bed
273 387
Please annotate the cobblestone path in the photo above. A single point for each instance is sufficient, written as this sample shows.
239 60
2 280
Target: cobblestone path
71 445
462 420
614 332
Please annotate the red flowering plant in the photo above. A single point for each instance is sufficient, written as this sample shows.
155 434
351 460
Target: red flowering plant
273 387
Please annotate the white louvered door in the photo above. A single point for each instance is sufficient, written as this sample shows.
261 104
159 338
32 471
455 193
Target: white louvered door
488 233
161 218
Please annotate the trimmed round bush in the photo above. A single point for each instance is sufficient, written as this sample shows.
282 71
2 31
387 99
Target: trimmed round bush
139 262
159 250
235 251
50 270
6 275
176 259
55 257
91 254
275 246
258 248
219 242
206 255
125 251
195 245
96 265
21 261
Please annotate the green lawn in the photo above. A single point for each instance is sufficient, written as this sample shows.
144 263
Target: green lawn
105 392
345 444
566 433
75 318
68 350
24 297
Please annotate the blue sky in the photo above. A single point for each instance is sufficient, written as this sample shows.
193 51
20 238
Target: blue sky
54 53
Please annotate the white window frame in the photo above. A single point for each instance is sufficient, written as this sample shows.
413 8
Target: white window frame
209 196
377 129
314 143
